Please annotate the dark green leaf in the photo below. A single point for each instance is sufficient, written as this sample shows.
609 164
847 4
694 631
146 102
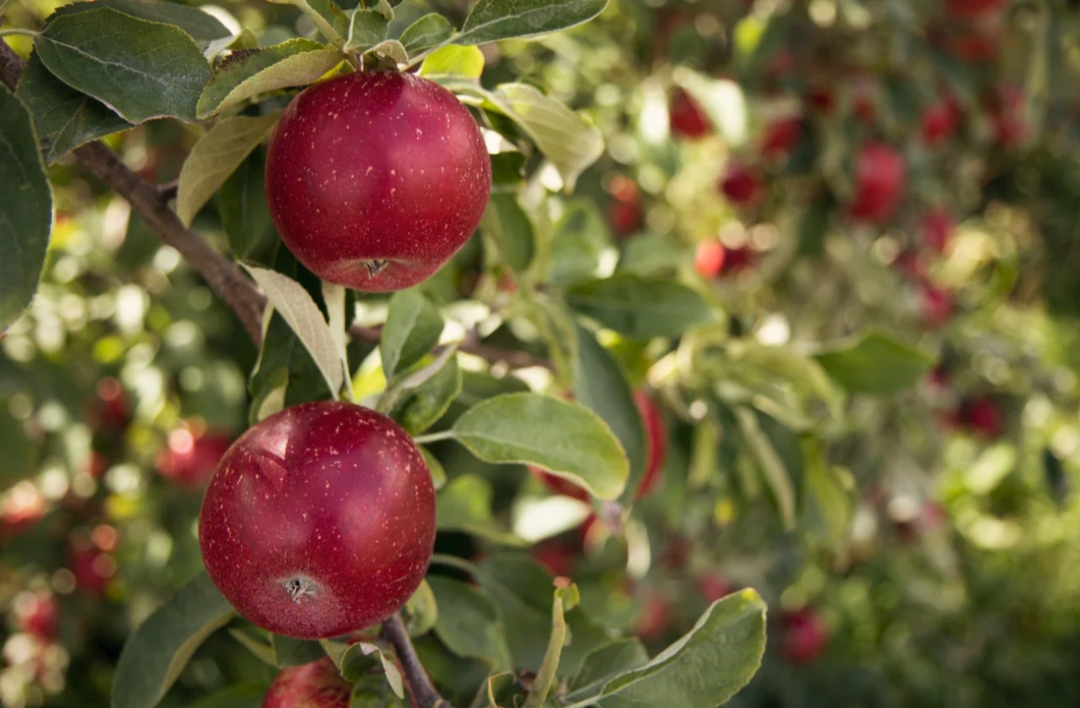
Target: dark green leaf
25 209
161 646
140 69
875 364
705 668
469 622
465 505
202 26
424 405
564 438
522 590
428 31
244 695
581 236
605 662
602 387
20 456
249 72
296 652
413 326
508 224
63 117
421 611
367 28
640 308
245 215
492 20
331 22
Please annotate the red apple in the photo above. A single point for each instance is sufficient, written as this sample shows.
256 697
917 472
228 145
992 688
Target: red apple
190 457
823 100
937 227
376 179
741 185
880 177
655 454
314 685
655 616
688 120
558 557
805 637
36 613
937 306
939 122
110 410
982 416
624 211
709 258
713 587
977 47
92 567
1010 125
320 520
780 136
22 507
974 8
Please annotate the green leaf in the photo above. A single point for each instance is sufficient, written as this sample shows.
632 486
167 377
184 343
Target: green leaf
215 157
602 387
565 600
367 28
63 117
430 30
438 474
605 662
160 647
465 505
640 308
564 438
421 611
428 402
250 72
331 22
522 590
140 69
508 224
469 623
202 26
413 326
289 651
262 650
20 450
580 238
452 60
25 209
244 695
563 136
492 20
704 668
777 474
875 364
299 310
245 214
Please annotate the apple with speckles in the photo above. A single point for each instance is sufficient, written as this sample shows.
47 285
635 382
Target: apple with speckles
375 179
319 521
880 178
314 685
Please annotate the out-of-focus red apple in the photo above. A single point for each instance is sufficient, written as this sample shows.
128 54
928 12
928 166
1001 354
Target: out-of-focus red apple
92 567
655 619
780 136
822 100
982 415
1010 125
937 306
688 119
110 410
655 454
939 122
712 259
741 185
557 556
880 178
974 8
22 507
713 587
191 456
974 46
804 636
937 228
624 210
315 685
37 613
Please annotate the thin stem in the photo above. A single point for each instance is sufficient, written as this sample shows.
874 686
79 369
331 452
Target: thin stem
393 631
16 31
433 437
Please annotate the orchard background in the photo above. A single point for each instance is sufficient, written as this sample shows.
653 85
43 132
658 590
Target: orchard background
788 286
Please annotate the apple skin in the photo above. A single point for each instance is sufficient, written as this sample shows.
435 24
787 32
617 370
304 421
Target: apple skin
741 185
780 136
880 177
805 637
688 120
939 123
983 416
320 520
655 455
189 460
374 180
655 619
937 228
624 211
314 685
713 587
37 613
712 259
936 306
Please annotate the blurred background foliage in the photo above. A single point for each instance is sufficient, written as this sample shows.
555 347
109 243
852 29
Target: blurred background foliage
879 432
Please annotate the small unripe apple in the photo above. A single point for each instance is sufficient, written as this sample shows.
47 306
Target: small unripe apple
880 177
320 520
315 685
190 457
655 455
37 613
688 120
937 228
376 179
939 122
741 185
805 637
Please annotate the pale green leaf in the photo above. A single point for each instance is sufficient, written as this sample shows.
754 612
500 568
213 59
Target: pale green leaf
331 22
454 60
430 30
412 329
492 20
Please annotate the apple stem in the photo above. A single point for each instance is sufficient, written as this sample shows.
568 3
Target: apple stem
393 631
433 437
